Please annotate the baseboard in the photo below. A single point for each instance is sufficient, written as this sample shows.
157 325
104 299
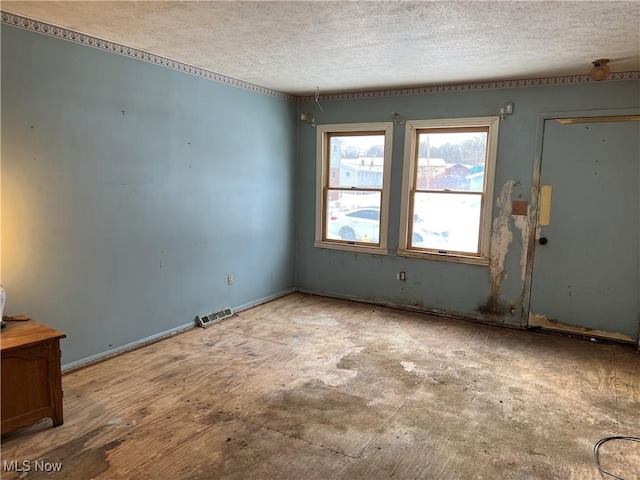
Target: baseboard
86 361
99 357
411 308
266 299
543 323
466 318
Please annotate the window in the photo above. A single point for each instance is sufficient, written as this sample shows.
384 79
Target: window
353 174
448 189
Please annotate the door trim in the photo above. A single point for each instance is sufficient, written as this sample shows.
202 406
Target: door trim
616 118
562 117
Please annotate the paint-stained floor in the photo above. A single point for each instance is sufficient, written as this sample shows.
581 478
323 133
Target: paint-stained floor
307 387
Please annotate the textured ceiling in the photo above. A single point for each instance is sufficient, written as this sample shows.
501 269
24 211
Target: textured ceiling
342 46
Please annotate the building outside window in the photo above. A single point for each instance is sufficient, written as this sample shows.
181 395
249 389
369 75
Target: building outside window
447 192
352 197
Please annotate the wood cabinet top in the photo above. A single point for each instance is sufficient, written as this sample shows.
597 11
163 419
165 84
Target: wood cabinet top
20 334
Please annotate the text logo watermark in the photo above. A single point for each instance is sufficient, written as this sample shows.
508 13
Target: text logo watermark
31 466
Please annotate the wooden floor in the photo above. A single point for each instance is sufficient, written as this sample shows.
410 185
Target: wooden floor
308 388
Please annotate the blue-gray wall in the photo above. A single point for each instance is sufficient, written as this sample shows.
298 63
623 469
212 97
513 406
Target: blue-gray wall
493 294
130 191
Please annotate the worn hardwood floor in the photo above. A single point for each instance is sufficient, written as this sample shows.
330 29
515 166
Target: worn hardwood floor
306 387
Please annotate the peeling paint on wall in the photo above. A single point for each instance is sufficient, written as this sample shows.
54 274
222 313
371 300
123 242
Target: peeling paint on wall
501 238
522 224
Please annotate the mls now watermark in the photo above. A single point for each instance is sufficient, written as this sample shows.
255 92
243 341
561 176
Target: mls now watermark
31 466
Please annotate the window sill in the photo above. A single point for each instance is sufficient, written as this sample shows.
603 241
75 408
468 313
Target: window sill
355 247
444 257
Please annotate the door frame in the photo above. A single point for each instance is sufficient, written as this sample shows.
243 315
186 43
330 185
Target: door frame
535 192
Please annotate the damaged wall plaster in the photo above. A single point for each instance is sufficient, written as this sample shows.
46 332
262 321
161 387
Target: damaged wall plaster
522 223
501 238
493 292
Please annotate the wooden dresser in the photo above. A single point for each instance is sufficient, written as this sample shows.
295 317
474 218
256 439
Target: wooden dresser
31 380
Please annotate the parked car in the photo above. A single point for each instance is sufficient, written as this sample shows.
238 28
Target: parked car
359 225
363 225
424 237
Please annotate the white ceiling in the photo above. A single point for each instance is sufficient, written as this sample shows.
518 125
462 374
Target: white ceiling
341 46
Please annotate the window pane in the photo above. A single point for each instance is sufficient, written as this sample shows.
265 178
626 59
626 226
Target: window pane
451 160
353 216
356 161
446 221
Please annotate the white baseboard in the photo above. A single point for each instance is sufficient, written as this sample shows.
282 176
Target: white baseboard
262 300
83 362
124 348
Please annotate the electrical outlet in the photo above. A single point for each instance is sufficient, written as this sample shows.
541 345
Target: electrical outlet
230 279
402 276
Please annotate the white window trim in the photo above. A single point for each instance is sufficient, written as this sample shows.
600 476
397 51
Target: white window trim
322 164
408 177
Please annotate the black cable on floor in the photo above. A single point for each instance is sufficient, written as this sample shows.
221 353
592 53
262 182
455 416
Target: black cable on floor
604 440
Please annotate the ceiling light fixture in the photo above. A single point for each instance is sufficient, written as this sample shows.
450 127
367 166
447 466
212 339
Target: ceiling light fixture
600 70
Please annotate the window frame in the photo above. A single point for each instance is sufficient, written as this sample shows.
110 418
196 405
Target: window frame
411 151
323 176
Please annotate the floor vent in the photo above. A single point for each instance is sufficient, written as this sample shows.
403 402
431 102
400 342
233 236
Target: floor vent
209 318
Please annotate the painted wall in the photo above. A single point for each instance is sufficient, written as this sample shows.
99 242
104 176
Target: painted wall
130 191
479 292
